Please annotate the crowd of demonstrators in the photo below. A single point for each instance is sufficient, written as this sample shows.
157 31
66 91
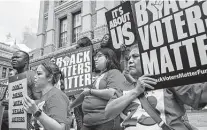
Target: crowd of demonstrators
168 103
20 64
114 93
51 109
94 100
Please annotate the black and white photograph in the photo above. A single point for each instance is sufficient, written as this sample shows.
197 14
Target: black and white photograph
103 64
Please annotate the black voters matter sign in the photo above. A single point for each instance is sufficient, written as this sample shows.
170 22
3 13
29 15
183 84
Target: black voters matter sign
172 41
17 90
121 25
76 66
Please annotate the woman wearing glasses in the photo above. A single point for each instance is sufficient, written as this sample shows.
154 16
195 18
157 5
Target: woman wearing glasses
109 80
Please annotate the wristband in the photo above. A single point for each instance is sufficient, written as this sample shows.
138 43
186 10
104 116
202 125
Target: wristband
37 113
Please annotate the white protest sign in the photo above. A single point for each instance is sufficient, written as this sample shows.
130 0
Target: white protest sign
17 90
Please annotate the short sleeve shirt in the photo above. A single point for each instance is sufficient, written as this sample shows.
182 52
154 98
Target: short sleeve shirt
94 107
55 104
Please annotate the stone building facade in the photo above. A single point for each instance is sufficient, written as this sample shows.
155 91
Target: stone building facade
6 53
62 23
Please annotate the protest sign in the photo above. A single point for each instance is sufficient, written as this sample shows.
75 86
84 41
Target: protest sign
3 89
121 25
17 90
122 30
76 66
172 41
3 93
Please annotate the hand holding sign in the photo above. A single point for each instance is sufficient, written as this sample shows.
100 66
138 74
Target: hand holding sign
123 48
143 83
30 105
86 92
146 82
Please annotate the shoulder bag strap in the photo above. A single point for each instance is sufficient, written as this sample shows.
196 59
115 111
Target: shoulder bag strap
151 111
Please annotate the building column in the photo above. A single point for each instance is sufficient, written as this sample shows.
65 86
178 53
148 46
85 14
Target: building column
100 11
70 29
49 45
86 19
40 31
1 69
7 72
101 25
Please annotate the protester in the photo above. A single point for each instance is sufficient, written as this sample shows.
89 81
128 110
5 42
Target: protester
164 101
94 100
60 85
106 41
81 43
20 64
51 109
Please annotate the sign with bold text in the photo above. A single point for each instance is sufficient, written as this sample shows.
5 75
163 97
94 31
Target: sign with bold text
17 90
121 25
76 66
172 39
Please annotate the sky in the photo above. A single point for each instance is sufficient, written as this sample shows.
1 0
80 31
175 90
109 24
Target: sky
16 15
